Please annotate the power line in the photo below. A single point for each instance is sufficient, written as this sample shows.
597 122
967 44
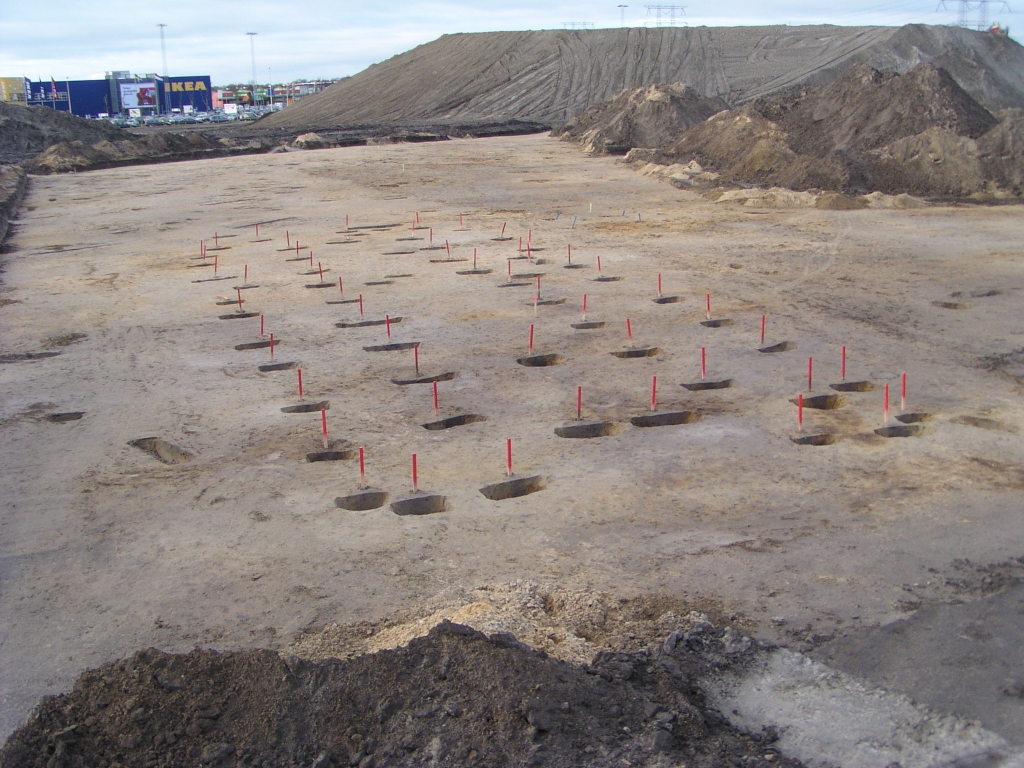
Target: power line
965 9
668 12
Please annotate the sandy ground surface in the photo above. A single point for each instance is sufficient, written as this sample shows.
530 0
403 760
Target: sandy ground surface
104 549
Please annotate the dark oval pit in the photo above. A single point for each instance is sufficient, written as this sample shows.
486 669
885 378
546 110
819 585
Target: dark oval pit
446 376
395 277
446 261
589 429
321 285
528 276
718 323
641 352
854 386
216 279
589 326
424 504
667 419
549 302
951 304
343 301
822 402
322 405
500 239
514 487
362 501
400 253
395 347
255 345
366 323
61 418
277 367
514 285
228 302
668 300
824 439
238 316
902 430
379 282
701 386
540 361
454 421
575 266
914 418
474 272
607 279
782 346
331 455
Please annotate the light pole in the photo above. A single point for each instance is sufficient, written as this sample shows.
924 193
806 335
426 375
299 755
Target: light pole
622 11
163 48
252 50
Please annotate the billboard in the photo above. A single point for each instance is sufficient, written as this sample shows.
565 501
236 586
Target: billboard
136 95
189 91
14 90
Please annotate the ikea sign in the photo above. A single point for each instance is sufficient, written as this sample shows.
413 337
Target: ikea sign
190 91
184 86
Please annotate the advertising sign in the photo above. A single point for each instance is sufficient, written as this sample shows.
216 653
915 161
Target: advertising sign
136 95
230 109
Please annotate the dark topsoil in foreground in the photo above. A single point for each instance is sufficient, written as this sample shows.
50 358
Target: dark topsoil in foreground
453 698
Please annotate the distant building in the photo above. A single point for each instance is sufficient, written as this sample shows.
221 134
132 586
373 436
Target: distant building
14 90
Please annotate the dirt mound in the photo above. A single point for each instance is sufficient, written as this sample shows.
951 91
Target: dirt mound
453 698
27 131
918 133
652 116
550 76
13 184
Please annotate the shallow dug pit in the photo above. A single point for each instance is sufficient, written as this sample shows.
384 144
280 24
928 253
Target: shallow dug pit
981 423
365 323
588 429
61 418
668 300
589 326
216 279
342 301
822 402
238 315
277 367
454 421
394 347
824 439
321 285
528 275
446 261
548 302
782 346
395 277
701 386
667 419
474 272
256 345
321 405
575 266
901 430
446 376
627 354
854 386
951 304
513 488
228 302
332 454
423 504
380 282
914 418
363 501
162 450
609 279
717 323
541 361
515 285
19 357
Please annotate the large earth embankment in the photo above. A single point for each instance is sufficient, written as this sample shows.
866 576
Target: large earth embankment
550 76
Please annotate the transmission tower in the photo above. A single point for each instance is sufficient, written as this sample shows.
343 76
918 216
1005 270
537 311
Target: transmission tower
622 11
973 14
577 25
163 47
665 15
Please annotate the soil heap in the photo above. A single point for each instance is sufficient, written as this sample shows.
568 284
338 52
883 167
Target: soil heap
548 77
919 133
455 697
652 116
27 131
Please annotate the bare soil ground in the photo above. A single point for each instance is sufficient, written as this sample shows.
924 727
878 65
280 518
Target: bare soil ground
105 549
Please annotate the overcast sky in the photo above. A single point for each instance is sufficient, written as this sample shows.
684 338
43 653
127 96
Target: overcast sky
319 39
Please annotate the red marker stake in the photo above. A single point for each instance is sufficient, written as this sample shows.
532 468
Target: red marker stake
529 237
654 393
885 406
629 331
362 467
599 265
510 270
346 221
474 258
707 305
903 392
287 239
257 230
531 338
762 330
360 305
508 456
216 241
503 228
416 358
245 279
584 307
659 285
387 325
800 412
323 422
296 247
520 243
320 267
215 265
299 370
202 250
341 288
415 476
436 408
538 286
310 258
843 364
261 326
448 248
579 403
271 346
529 255
460 221
810 373
239 292
431 236
569 249
703 362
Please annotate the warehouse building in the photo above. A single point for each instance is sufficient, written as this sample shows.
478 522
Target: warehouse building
119 93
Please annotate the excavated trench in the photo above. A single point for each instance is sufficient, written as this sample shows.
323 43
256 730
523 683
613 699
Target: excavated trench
513 488
454 421
628 354
667 419
424 504
321 405
363 501
584 430
702 386
541 361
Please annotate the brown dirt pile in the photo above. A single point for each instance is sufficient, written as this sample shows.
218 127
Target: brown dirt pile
453 698
653 116
918 133
27 131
